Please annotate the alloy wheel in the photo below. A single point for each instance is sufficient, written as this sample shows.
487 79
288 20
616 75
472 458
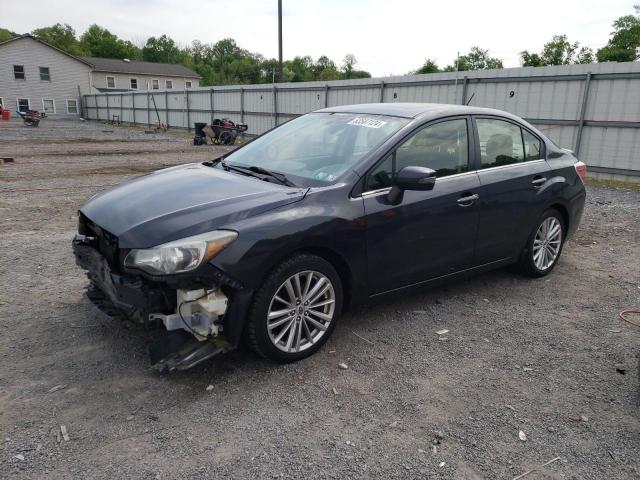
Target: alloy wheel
301 311
547 242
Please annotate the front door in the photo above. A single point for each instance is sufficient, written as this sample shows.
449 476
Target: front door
429 233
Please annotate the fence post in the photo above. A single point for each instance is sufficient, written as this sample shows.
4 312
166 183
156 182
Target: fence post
326 95
211 105
465 82
166 108
583 112
97 108
148 111
382 91
108 112
188 111
241 105
133 108
275 105
121 118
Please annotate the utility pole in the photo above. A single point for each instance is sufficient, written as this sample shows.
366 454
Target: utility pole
280 75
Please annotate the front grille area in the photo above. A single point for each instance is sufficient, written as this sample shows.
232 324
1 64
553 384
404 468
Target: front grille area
105 242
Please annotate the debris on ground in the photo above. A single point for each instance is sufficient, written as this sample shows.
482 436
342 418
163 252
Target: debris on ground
56 388
522 436
621 368
209 388
334 390
19 457
442 332
343 366
65 434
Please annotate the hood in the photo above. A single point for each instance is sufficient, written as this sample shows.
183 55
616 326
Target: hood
182 201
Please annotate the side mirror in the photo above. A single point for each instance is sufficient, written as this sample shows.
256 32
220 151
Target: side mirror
411 178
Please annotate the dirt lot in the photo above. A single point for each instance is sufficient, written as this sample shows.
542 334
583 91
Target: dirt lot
520 355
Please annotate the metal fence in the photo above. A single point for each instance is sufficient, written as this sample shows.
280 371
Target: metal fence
592 109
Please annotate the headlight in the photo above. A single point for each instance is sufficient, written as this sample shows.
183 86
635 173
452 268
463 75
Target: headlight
180 255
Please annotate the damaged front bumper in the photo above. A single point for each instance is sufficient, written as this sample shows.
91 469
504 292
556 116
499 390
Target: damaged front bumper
192 314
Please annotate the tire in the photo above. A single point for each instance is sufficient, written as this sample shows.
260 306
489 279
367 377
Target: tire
226 138
533 262
302 328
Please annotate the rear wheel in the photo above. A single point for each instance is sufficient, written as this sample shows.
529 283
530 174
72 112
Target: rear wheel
296 309
544 245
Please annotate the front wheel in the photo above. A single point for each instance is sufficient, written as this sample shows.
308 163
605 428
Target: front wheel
296 309
544 245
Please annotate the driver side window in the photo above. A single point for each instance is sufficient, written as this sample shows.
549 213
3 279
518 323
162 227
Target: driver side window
443 147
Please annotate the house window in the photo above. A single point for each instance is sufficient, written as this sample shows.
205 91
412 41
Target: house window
45 76
18 72
72 106
168 84
111 82
48 105
187 84
23 104
155 84
134 83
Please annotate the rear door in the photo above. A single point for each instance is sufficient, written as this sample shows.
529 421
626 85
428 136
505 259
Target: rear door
515 186
430 233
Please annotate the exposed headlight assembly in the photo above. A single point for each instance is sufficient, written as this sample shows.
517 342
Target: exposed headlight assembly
180 255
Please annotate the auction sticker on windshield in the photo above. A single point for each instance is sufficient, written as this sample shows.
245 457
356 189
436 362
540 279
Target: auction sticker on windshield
367 122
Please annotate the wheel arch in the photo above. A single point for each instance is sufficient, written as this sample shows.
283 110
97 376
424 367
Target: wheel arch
564 211
341 266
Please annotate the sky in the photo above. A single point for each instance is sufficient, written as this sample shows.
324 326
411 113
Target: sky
388 37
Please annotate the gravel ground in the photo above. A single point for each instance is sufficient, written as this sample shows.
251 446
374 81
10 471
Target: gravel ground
521 355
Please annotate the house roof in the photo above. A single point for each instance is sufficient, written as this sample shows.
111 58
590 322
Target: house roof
28 35
117 65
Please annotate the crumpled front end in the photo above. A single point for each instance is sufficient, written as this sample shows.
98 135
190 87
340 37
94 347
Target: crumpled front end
189 308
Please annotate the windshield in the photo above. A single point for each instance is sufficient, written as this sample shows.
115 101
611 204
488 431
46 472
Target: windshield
315 149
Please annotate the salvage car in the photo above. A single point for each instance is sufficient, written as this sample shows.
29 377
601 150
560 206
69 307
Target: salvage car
271 242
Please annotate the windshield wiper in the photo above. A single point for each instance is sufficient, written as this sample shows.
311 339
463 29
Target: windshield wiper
280 177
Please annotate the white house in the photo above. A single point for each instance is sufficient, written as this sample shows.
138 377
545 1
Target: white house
37 76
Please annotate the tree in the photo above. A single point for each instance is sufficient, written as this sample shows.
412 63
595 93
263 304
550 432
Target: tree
6 34
60 36
162 49
429 66
100 42
624 44
476 59
558 51
348 64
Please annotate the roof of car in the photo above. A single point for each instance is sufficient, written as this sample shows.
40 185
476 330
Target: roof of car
413 110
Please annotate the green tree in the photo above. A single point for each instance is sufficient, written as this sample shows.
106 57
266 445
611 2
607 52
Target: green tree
6 34
100 42
558 51
348 68
476 59
429 66
624 44
162 49
60 36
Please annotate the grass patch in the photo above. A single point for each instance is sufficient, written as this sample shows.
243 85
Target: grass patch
619 184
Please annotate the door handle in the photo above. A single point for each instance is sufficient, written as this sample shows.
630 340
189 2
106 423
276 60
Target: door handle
468 200
537 181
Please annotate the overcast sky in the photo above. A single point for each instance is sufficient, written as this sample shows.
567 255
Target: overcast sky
386 36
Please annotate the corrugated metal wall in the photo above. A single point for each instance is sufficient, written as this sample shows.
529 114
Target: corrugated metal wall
593 109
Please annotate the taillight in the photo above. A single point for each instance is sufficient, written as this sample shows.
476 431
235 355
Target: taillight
581 170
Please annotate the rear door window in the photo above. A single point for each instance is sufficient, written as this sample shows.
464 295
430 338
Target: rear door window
500 142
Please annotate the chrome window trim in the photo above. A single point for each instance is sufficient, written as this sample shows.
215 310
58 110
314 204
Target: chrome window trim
372 193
